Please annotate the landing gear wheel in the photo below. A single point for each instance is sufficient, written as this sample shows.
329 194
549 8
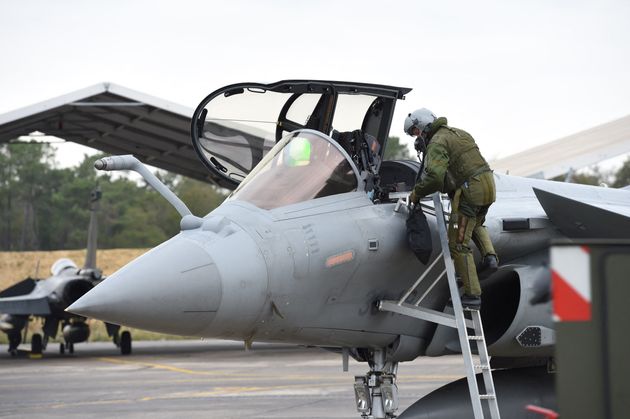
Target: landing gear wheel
376 392
125 343
14 341
36 344
62 348
70 348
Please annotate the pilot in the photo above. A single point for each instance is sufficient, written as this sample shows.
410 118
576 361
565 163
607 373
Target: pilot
453 164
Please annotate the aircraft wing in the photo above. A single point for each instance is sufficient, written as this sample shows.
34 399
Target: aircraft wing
577 219
24 298
34 305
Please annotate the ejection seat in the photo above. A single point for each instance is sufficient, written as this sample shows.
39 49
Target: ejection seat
364 151
398 175
387 176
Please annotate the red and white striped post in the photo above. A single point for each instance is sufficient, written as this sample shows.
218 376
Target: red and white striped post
571 283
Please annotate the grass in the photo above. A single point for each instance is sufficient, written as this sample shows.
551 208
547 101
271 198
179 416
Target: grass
15 266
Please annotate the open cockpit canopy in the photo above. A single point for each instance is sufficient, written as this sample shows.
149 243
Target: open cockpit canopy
236 126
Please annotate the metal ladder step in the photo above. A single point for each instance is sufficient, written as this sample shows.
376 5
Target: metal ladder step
464 337
459 321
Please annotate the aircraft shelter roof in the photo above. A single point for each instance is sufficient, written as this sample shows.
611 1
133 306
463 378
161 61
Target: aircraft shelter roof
574 152
116 120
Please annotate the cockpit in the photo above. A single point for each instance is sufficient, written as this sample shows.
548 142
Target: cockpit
304 165
293 141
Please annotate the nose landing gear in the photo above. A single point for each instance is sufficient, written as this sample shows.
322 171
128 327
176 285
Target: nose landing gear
69 346
376 393
121 340
125 343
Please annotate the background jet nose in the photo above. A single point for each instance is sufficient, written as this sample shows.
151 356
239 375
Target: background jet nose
174 288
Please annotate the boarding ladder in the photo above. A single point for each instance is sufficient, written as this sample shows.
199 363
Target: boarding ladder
458 321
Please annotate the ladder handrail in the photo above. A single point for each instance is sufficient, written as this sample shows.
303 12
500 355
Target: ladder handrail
458 310
439 277
462 332
431 211
419 280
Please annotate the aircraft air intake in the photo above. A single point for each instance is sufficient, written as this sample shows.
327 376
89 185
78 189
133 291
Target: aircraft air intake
73 290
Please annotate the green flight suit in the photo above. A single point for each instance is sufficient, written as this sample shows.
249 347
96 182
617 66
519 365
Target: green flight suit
454 165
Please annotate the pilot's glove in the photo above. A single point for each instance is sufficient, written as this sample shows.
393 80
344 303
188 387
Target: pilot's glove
413 199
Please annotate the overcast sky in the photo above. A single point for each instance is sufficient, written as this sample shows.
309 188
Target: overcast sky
514 74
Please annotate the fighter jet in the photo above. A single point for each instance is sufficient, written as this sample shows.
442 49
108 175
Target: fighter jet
48 299
313 237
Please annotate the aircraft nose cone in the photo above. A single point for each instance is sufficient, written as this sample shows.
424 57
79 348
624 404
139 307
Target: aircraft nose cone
174 288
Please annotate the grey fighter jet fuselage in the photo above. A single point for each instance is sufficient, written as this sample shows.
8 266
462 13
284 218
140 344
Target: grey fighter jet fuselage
48 299
314 237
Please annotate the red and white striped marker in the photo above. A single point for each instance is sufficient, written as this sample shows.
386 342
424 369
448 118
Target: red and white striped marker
571 283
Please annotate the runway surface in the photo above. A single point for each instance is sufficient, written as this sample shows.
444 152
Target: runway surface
198 379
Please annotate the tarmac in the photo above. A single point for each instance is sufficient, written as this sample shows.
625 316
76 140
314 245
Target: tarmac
198 379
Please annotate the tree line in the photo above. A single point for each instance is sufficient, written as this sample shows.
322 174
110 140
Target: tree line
46 208
614 179
43 207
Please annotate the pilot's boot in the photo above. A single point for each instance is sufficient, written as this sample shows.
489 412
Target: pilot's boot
471 301
489 262
488 265
465 268
464 265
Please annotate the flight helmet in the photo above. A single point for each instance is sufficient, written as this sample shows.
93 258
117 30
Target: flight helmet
421 119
